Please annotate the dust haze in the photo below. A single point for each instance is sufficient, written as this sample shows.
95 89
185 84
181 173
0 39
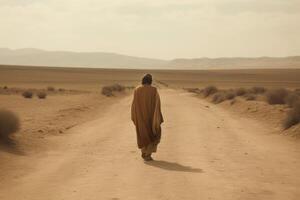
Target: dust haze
157 29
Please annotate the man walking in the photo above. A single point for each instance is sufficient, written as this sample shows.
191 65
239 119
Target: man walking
147 117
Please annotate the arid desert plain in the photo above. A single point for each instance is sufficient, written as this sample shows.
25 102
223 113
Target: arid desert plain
226 135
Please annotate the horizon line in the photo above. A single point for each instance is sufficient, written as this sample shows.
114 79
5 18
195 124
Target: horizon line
121 54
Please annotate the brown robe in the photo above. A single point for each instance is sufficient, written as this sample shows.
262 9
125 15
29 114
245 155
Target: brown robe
146 115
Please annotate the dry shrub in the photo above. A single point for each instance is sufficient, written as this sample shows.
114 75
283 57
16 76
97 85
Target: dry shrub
50 88
250 97
42 95
229 95
27 94
276 96
61 90
209 90
293 116
108 90
258 90
291 99
221 96
9 124
5 87
218 97
240 91
117 87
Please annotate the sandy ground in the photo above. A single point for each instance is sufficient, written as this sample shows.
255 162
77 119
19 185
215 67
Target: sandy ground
52 116
206 153
92 79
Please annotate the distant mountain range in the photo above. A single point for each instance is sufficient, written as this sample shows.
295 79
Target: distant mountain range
37 57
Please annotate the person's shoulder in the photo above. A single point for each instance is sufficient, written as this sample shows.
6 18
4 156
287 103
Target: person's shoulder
146 87
151 87
154 88
138 87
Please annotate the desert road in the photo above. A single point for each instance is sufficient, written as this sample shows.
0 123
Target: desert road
206 152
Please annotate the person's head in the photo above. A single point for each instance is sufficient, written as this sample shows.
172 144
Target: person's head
147 79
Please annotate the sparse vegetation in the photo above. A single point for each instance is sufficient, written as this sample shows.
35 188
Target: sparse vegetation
9 124
50 88
209 90
221 96
229 95
240 91
27 94
218 97
276 96
258 90
293 116
5 87
117 87
42 95
109 90
106 91
291 99
61 90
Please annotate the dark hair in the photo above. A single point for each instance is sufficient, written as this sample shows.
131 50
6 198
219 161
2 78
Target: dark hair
147 79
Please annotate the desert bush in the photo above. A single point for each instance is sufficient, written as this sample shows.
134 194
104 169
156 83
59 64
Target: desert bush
61 90
291 99
218 97
27 94
250 97
42 95
108 90
117 87
240 91
5 87
221 96
276 96
209 90
258 90
50 88
293 116
229 95
9 124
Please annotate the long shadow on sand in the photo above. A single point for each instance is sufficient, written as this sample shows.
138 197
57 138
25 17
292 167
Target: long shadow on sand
173 166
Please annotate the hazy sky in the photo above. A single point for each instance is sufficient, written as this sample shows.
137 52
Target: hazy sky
154 28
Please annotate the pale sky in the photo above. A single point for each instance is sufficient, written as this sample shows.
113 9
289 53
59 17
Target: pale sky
154 28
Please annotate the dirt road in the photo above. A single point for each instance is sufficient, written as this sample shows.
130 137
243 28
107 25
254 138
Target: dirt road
205 153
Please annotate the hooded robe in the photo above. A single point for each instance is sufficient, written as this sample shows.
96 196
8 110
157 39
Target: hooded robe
146 115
